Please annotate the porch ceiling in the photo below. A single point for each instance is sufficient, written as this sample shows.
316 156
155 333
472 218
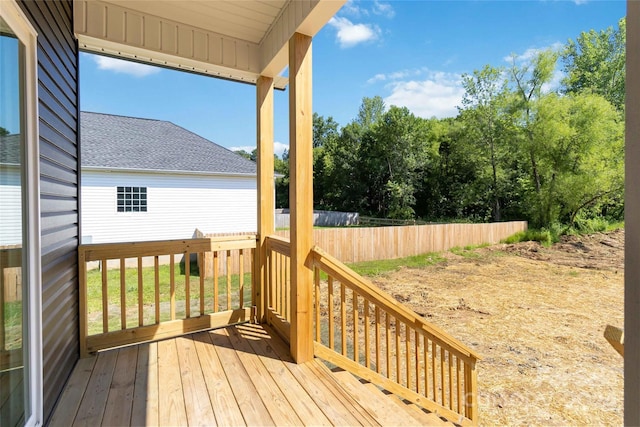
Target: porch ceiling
233 39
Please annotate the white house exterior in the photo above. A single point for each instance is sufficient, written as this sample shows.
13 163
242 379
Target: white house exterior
152 180
10 191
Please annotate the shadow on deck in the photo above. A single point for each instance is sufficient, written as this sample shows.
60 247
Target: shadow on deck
239 375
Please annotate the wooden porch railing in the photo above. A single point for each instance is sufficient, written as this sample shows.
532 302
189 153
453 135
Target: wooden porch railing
278 287
133 297
363 330
10 306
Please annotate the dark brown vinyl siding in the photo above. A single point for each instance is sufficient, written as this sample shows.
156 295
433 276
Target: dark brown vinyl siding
59 189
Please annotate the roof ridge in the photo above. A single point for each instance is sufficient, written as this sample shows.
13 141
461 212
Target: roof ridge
126 116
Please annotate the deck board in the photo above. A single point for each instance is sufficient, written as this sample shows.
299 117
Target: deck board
222 398
118 408
240 375
171 407
196 396
145 395
253 409
95 398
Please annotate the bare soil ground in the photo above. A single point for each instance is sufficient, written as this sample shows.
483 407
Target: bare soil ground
537 316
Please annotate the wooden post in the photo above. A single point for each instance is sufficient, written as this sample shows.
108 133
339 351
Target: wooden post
471 392
301 196
266 192
83 302
632 220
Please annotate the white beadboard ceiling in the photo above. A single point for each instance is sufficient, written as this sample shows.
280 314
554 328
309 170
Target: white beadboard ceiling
233 39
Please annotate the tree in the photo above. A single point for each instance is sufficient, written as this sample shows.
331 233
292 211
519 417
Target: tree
487 122
581 156
253 156
528 80
595 62
3 131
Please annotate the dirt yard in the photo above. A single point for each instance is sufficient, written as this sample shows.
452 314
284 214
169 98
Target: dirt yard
536 316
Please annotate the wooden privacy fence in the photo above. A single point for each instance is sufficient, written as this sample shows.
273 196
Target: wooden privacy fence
10 306
126 305
356 244
363 330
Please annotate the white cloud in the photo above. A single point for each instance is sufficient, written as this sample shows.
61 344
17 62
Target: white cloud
125 67
532 52
384 9
278 148
354 8
436 96
396 75
350 34
377 78
555 83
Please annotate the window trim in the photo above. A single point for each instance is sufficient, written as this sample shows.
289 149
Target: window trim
129 208
22 28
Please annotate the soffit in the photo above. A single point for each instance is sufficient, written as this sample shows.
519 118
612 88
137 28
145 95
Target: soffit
234 39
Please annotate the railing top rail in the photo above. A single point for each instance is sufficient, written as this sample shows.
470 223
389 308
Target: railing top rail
279 244
377 296
100 251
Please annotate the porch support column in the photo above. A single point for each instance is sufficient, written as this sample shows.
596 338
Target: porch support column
266 191
632 221
301 196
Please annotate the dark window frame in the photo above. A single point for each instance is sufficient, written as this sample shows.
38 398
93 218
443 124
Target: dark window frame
131 199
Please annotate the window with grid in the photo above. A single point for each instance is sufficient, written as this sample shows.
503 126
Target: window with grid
132 199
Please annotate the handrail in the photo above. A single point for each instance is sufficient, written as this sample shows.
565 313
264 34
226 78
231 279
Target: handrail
402 352
152 305
364 287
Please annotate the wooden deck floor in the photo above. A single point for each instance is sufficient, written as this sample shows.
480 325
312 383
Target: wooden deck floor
241 375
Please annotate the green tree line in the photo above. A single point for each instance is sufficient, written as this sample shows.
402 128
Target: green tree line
521 146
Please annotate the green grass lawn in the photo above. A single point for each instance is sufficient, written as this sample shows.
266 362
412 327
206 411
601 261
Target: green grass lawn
94 294
94 290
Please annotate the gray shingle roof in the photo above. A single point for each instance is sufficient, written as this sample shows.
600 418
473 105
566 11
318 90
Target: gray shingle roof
121 142
10 149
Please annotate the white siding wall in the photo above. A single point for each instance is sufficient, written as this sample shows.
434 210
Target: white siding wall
176 206
10 206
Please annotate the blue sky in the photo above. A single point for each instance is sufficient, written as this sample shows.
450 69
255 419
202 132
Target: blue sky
411 53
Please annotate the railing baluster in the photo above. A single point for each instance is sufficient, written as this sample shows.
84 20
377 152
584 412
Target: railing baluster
367 333
316 299
356 321
278 283
105 300
398 326
416 338
202 274
172 281
407 354
331 316
187 285
343 318
449 355
387 337
140 294
377 314
228 280
216 301
241 278
442 375
156 275
434 371
425 342
123 295
458 388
